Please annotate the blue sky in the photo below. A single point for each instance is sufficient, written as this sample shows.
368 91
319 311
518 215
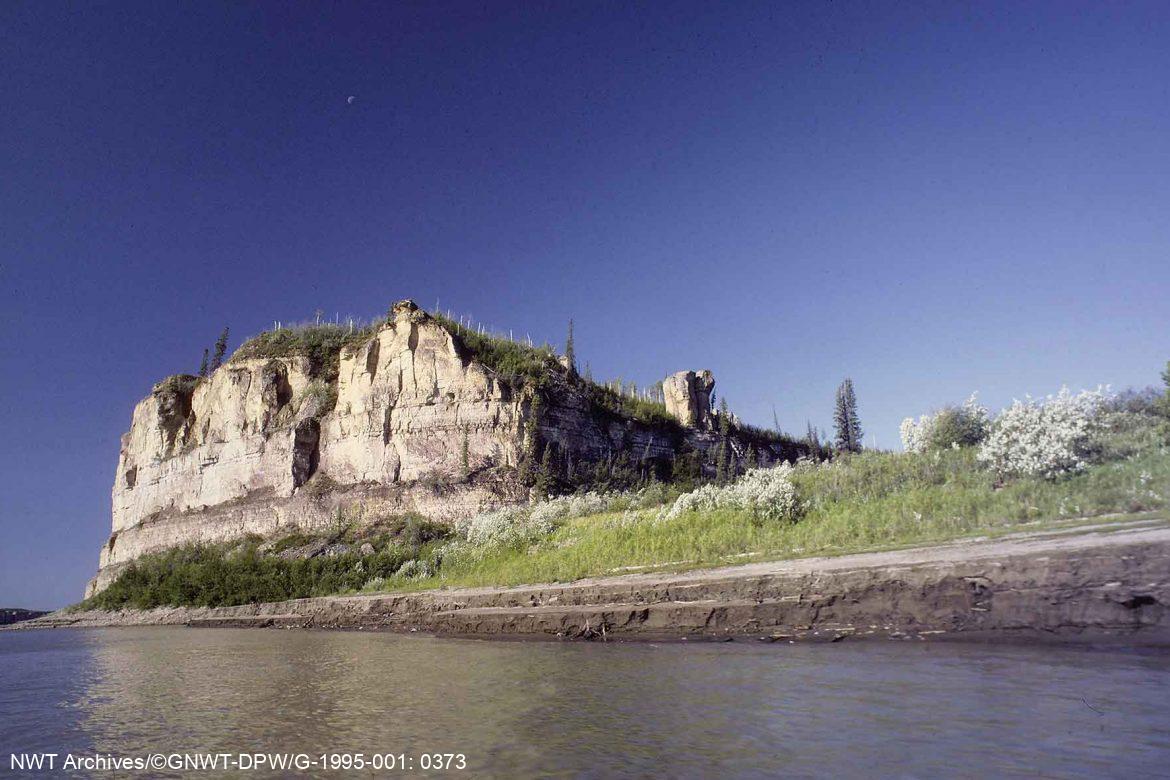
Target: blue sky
930 200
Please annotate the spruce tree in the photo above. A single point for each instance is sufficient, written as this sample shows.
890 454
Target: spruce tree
545 478
203 364
1166 397
812 438
723 459
528 462
220 350
465 453
846 420
570 352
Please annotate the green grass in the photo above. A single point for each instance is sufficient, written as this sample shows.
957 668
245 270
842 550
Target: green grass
225 574
321 344
606 400
237 572
517 363
531 366
863 502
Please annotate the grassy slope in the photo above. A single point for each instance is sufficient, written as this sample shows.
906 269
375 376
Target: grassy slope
871 501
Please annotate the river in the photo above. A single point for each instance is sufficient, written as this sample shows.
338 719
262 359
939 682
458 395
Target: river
524 709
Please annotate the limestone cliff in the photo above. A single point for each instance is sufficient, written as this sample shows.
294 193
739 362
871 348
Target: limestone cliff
402 418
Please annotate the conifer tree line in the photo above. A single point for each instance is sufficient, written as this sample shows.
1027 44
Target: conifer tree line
220 351
570 352
846 420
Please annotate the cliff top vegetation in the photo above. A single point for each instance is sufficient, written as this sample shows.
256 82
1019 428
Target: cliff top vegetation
521 365
321 343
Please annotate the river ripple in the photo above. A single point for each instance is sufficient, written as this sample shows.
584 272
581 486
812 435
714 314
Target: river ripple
743 709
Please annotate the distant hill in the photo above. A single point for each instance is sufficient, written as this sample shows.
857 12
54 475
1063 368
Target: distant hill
17 615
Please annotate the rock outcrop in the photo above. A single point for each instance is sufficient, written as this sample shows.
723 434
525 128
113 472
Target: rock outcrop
404 418
688 398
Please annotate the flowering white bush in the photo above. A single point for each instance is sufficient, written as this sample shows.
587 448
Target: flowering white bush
564 507
518 525
509 525
414 568
766 493
1046 437
914 433
952 426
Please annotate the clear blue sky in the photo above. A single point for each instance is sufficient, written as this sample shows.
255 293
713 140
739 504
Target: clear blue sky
929 198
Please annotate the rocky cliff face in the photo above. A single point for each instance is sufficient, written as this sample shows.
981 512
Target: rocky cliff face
687 396
411 422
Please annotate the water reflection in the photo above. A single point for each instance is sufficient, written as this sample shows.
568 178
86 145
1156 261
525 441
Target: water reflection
578 710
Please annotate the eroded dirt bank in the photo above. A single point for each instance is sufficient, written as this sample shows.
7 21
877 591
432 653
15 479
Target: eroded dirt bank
1090 582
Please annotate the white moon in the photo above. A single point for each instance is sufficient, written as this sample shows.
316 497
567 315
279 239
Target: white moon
349 100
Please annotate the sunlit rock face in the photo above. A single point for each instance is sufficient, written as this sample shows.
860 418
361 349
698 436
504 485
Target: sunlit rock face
195 443
407 400
688 398
216 458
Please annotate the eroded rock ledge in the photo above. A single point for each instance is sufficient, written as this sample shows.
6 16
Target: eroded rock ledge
1111 580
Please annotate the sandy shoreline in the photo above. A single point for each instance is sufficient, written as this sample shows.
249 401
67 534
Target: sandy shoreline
1094 582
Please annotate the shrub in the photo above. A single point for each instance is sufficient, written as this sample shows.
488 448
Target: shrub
1045 438
517 363
323 393
518 526
615 474
414 569
508 526
767 494
1147 401
606 400
208 576
321 344
952 426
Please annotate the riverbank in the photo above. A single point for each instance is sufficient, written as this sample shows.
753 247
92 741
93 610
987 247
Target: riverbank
12 615
1099 580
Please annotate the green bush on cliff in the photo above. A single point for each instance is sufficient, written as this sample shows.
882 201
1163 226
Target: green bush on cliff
607 400
515 362
321 344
